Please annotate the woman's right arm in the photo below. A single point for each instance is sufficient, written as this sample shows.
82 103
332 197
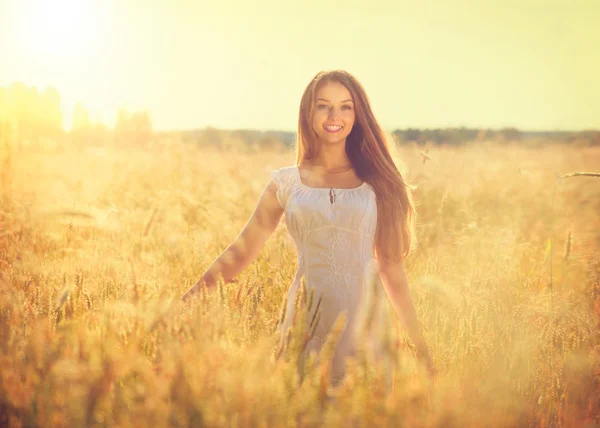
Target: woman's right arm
246 247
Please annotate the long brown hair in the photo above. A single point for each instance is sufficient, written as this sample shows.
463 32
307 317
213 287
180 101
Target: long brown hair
368 151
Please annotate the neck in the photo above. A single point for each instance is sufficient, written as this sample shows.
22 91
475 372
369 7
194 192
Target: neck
331 157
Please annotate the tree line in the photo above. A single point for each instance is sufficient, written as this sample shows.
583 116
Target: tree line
31 115
28 114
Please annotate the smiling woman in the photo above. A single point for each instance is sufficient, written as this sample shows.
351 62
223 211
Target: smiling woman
61 31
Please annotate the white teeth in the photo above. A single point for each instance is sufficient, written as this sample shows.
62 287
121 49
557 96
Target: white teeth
333 128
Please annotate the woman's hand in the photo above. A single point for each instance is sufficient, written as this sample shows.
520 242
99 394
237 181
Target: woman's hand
431 369
425 357
194 289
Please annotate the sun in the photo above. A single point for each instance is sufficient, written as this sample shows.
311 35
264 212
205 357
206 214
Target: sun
60 30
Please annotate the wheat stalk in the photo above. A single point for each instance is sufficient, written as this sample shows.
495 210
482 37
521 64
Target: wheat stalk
580 174
327 353
568 244
550 250
150 220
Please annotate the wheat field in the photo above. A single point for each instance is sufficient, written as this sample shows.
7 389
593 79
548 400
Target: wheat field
97 245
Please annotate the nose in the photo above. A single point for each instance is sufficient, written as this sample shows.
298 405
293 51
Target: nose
332 113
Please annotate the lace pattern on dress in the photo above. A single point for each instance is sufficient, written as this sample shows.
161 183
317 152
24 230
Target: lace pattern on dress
339 273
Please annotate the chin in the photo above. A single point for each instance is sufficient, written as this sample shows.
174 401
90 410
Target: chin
333 141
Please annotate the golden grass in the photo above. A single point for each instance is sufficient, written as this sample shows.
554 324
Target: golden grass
97 246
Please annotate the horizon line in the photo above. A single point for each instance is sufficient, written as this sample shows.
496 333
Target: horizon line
395 129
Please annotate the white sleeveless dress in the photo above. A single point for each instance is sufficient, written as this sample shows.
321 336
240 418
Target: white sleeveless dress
334 231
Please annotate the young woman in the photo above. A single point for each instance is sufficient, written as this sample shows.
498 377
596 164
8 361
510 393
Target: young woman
348 209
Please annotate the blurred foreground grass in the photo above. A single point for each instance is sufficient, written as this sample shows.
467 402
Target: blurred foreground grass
97 246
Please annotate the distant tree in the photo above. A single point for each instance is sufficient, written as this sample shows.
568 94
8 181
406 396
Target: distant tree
214 137
52 119
4 138
81 126
30 114
141 125
482 135
135 128
81 118
510 134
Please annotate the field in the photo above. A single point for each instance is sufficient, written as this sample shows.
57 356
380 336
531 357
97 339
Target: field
98 244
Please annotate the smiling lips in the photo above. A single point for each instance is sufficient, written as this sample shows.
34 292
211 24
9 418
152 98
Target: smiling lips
331 128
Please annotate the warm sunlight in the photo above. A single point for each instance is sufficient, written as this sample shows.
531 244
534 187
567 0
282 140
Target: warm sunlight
60 31
226 63
299 213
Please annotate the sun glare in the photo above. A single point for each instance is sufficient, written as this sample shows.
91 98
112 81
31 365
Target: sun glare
58 31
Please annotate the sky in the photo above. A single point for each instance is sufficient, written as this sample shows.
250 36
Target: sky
528 64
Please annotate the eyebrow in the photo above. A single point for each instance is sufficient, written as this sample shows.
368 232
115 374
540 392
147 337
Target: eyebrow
324 99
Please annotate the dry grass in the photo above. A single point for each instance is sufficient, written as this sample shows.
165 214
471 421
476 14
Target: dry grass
97 246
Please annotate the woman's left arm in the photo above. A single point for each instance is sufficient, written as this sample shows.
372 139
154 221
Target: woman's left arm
395 282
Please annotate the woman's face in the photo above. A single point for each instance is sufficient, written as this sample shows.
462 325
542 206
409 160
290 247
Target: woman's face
333 116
